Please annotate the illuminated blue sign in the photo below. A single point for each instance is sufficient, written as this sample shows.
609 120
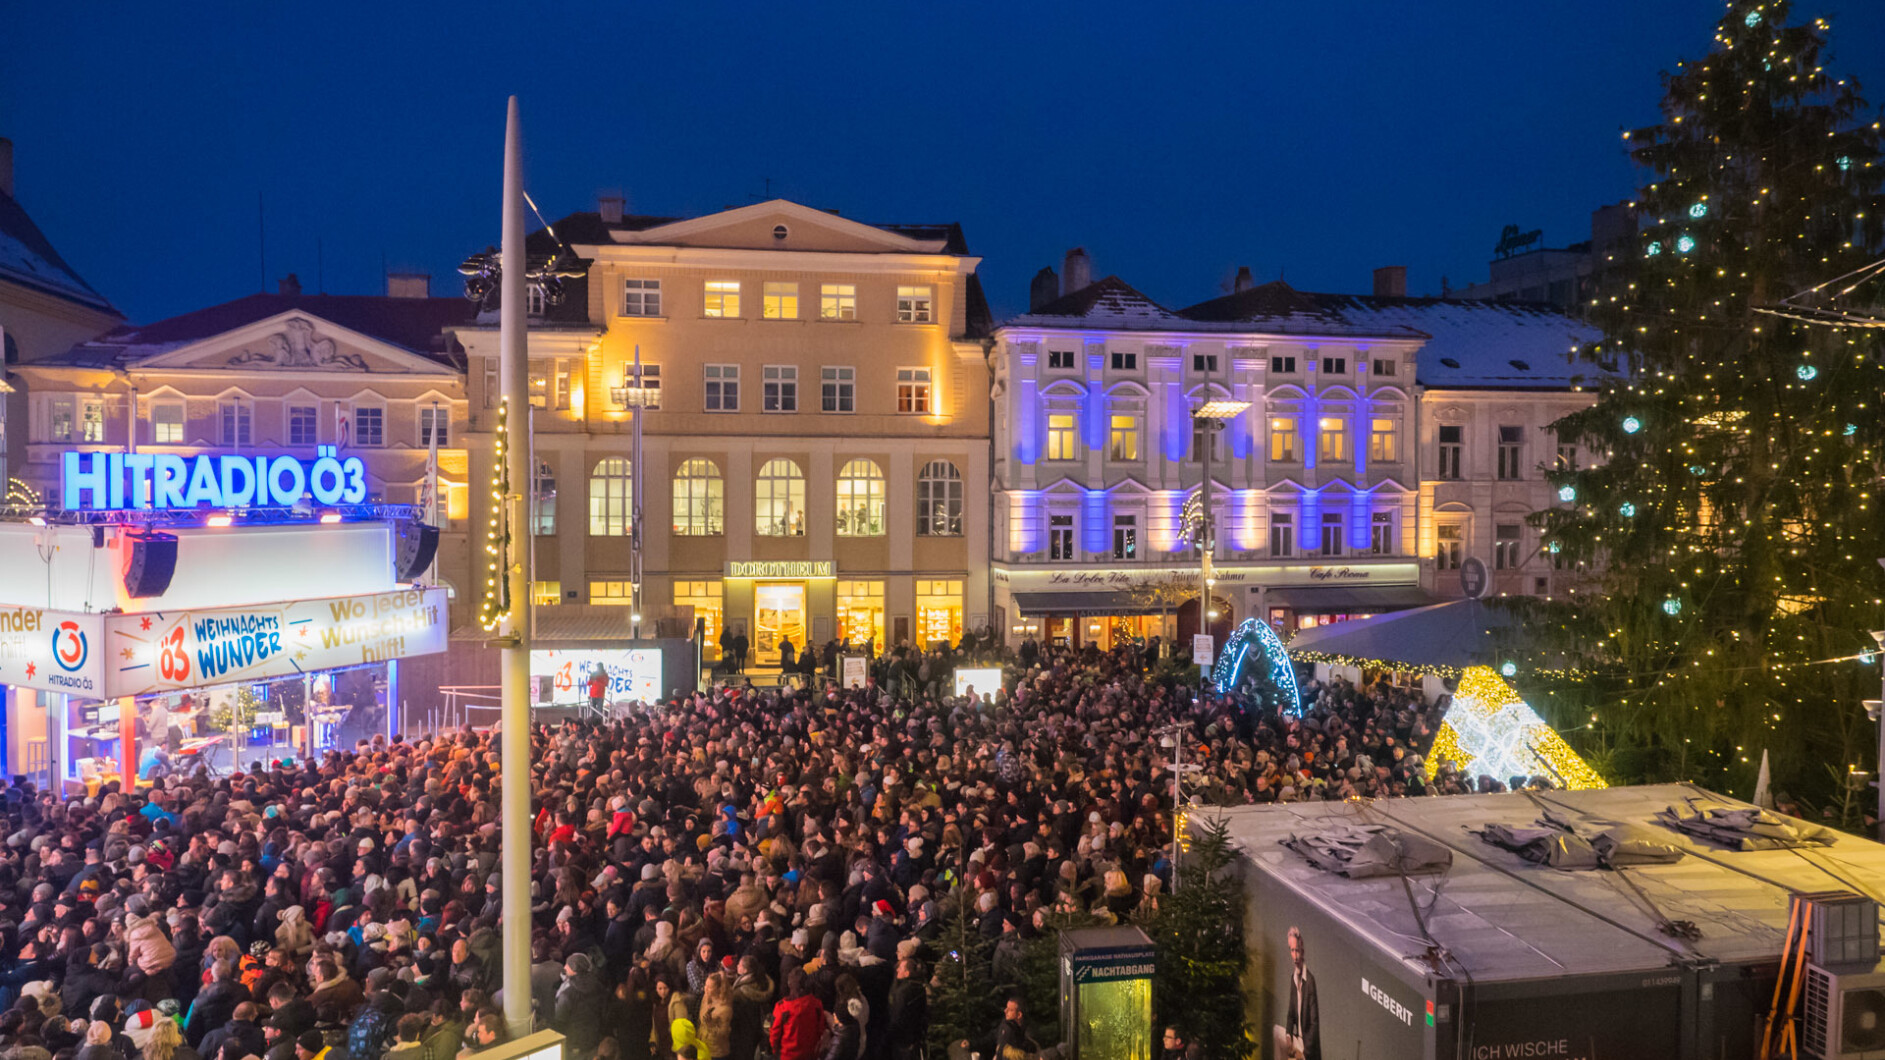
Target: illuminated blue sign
99 482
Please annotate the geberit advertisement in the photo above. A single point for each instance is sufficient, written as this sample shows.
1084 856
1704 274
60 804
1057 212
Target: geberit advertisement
1323 998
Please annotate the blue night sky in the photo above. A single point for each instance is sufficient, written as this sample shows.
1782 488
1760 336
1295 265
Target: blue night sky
1175 142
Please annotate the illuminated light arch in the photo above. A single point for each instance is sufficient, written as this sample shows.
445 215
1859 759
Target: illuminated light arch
1255 635
1490 730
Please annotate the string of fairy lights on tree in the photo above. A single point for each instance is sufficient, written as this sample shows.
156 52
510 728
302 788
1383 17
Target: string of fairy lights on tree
495 605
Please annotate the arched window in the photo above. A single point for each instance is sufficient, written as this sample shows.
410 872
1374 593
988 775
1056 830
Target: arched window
611 498
939 500
699 499
861 499
779 500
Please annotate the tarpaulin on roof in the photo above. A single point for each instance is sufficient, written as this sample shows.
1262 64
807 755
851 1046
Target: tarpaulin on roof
1743 827
1360 851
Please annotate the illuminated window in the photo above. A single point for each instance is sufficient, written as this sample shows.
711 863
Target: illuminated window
91 420
1384 440
1332 533
1381 534
1126 537
1285 446
938 611
1062 436
860 499
939 500
611 498
723 298
781 301
838 388
913 390
648 383
705 597
837 301
1450 547
1282 534
236 416
861 612
303 425
1283 364
699 499
1333 444
1511 449
641 298
549 382
1060 537
723 387
167 424
780 388
435 425
1452 441
545 593
543 502
369 426
779 500
1506 542
915 305
1124 440
614 593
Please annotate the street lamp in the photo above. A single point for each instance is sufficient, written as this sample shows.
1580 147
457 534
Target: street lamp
634 393
1207 419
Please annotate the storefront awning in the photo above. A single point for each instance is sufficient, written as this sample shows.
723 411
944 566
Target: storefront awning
1100 602
1348 597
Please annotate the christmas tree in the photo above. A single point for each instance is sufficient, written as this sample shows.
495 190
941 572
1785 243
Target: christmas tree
1199 934
1729 526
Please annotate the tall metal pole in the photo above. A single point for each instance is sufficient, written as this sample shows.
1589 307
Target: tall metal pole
640 402
1206 546
514 748
1178 801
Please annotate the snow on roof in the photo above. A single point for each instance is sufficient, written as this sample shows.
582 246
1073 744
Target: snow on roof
28 258
1110 303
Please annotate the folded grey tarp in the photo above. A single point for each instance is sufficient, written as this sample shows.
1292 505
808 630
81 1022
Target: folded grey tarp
1560 846
1742 827
1360 851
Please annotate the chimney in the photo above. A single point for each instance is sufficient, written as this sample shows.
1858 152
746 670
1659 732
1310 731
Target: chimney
1076 271
289 285
610 207
1390 281
1243 282
408 285
6 167
1044 289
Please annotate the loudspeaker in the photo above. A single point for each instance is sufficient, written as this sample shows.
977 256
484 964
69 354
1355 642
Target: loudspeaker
153 561
417 543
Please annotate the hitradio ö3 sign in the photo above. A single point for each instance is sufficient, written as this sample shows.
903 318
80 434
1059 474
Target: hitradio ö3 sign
52 651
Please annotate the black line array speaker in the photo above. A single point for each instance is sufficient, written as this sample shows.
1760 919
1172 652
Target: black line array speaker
416 544
153 561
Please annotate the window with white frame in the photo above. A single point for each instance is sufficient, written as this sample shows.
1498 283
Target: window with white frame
780 388
1283 364
534 300
1126 537
1125 361
92 420
611 497
1452 442
641 298
913 390
64 419
1511 450
1203 434
779 499
543 501
167 423
1332 443
1567 458
551 381
939 500
1334 366
1385 366
1332 528
1060 360
1507 539
1285 443
780 301
648 382
722 298
699 499
435 426
1060 537
1384 439
915 305
1204 363
1123 437
304 425
1063 436
612 592
837 301
723 387
492 394
1449 546
236 418
1282 535
1381 534
861 494
837 388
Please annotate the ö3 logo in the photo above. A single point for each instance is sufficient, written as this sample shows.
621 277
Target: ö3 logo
69 648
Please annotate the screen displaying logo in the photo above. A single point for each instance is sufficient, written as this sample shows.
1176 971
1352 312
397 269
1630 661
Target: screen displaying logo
69 647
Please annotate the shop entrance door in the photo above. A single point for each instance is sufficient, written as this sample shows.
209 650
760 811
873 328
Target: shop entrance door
780 614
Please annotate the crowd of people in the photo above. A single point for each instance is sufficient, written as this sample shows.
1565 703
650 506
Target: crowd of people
732 873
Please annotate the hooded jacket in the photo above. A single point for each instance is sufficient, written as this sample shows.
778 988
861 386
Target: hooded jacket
797 1025
146 947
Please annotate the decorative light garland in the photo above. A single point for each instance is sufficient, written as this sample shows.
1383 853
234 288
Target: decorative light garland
1230 664
495 606
1490 730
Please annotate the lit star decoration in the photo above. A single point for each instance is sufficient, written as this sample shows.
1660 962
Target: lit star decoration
1684 244
1567 494
1628 510
1672 606
1250 634
1699 210
1490 730
1509 669
1631 425
1807 373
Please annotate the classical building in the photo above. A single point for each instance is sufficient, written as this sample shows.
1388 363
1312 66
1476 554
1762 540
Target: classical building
814 445
1524 269
1326 491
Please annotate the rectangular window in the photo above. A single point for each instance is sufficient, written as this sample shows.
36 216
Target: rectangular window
839 389
1283 364
1452 441
491 393
237 419
1334 366
1062 436
938 612
1333 446
435 426
781 388
1384 440
861 612
781 301
1567 458
837 301
1284 445
1451 546
1505 546
723 298
91 420
167 423
705 597
646 386
1282 535
1123 443
544 594
1381 534
534 300
641 298
723 387
1125 361
913 390
64 418
1331 533
1385 366
1201 436
915 305
369 426
612 592
1511 448
1060 360
1204 362
1125 537
1060 537
304 425
543 502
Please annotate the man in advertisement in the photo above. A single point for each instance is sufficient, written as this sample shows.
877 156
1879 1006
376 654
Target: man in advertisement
1299 1037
